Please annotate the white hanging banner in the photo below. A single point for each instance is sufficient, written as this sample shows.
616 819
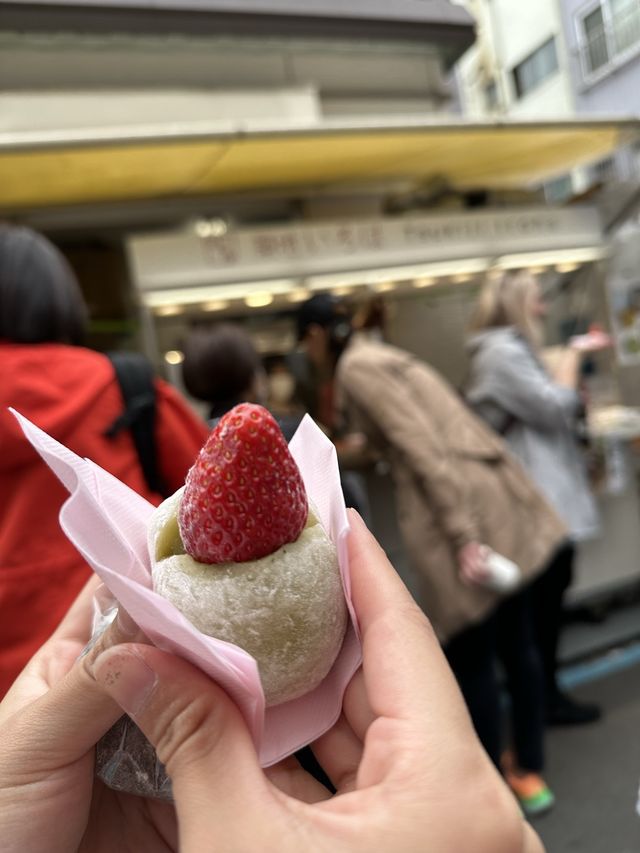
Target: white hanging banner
177 259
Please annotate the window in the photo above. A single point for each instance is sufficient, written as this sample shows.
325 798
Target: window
625 20
536 68
596 46
607 30
604 170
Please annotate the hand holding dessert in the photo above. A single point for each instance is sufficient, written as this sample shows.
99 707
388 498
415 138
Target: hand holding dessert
420 752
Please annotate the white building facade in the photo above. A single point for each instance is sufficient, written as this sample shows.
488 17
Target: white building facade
519 68
519 65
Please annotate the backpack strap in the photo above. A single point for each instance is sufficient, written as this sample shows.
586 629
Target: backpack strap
135 377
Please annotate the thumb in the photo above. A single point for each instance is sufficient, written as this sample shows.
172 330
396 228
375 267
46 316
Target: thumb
197 731
65 722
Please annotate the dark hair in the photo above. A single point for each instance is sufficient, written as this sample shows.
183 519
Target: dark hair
220 363
319 310
330 313
40 298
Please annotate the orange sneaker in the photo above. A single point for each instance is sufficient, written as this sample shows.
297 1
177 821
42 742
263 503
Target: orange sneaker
531 791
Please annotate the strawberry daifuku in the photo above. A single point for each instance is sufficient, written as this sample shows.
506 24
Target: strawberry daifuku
239 551
244 497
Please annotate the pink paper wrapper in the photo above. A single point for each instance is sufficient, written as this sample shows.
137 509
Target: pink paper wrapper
107 522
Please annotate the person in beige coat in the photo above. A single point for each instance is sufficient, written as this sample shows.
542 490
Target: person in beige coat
456 483
458 489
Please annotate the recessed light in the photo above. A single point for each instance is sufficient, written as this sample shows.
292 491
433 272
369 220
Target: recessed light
215 305
207 228
174 356
258 300
568 267
168 310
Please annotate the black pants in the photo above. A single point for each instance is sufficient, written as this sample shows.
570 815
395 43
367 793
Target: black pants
547 594
507 635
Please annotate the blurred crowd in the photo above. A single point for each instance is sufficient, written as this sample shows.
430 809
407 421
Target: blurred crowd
491 491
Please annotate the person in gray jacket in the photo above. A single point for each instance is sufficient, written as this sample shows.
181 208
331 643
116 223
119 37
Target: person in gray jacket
537 413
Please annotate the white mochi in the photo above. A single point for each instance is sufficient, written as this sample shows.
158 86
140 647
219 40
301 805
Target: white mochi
287 610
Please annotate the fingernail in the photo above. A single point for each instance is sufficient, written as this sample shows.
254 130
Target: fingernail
355 516
125 625
126 676
121 630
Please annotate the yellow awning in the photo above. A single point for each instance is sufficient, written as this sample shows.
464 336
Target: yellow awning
68 168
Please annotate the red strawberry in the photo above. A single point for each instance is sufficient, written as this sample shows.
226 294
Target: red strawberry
244 496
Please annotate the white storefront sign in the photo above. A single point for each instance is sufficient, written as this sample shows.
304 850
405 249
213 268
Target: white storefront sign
178 259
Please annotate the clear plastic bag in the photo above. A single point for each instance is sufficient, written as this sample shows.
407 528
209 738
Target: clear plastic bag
125 760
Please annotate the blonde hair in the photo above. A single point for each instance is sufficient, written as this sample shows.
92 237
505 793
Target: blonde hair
506 301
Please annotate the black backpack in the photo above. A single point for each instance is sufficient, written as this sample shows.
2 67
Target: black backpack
135 377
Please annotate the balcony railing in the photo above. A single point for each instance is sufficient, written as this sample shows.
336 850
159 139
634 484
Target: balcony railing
611 43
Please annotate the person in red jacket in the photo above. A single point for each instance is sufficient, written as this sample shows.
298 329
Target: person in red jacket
71 393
